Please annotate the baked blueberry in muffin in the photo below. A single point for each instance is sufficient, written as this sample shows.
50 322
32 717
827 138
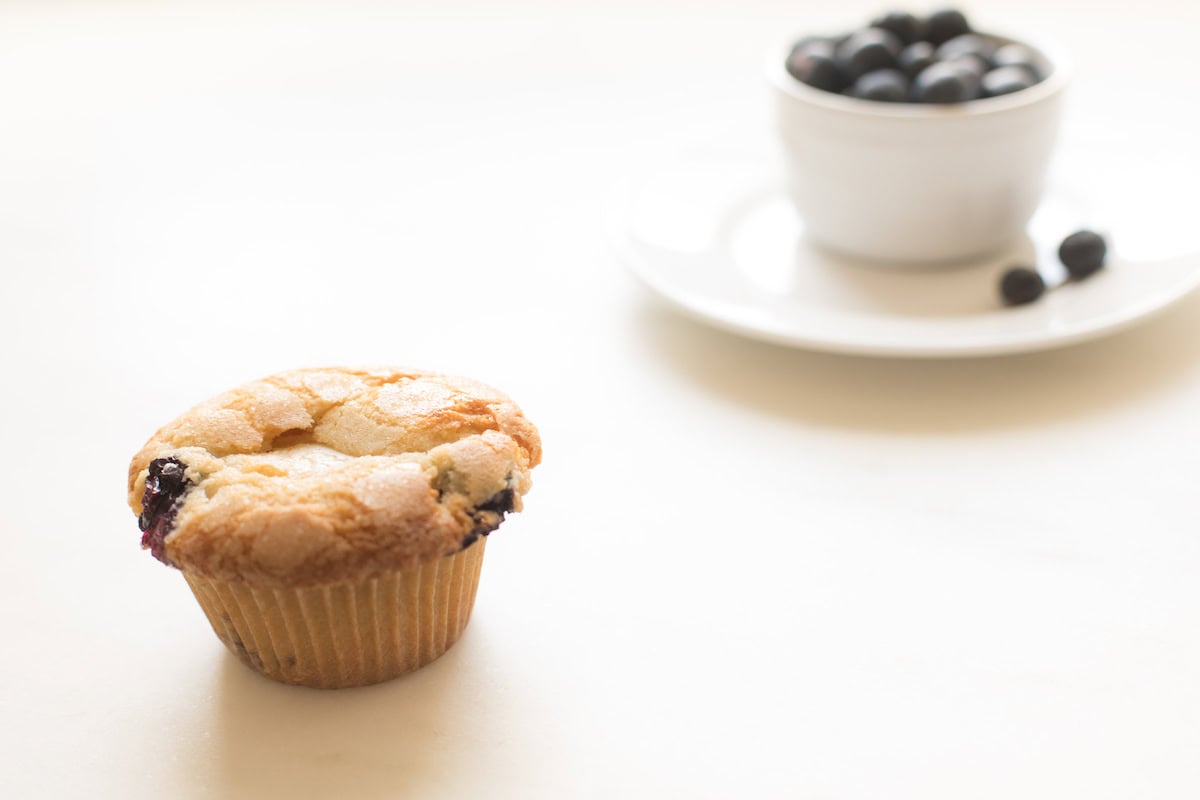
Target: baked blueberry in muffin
165 486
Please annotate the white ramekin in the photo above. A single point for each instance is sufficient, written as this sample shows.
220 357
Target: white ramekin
902 183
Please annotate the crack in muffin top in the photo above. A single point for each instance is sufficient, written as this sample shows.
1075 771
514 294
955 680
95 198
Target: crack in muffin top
321 475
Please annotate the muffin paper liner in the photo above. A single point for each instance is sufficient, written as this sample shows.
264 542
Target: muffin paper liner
345 634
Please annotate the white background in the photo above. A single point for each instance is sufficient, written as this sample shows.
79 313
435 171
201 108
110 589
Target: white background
744 571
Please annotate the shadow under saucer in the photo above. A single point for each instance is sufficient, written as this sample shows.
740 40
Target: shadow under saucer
926 396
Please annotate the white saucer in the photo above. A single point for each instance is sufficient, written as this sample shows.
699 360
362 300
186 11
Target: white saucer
717 237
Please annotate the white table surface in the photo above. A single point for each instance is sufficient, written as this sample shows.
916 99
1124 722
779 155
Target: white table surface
744 571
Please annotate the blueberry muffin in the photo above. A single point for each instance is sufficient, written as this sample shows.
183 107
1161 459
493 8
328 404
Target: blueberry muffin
332 522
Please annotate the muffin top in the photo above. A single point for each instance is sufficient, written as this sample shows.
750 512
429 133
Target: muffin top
321 475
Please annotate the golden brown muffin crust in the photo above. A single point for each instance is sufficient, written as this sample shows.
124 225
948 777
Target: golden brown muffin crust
319 475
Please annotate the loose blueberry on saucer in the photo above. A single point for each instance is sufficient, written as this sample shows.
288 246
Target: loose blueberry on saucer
915 58
944 25
882 85
1021 285
1082 253
1006 80
867 50
906 27
941 83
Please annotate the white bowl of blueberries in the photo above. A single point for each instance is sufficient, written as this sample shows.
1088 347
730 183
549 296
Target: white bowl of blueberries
916 140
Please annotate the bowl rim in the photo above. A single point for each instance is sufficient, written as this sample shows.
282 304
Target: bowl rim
1054 83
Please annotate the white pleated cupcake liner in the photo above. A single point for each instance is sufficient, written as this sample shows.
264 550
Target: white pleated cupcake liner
346 634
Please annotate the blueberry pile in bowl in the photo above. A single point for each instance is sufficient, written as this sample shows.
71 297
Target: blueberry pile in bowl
903 58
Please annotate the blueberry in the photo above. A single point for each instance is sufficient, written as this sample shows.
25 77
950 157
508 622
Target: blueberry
166 484
972 63
971 69
944 25
812 63
904 26
1006 80
942 83
502 502
815 45
1021 285
497 506
916 57
867 50
1018 55
969 44
1082 253
883 85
